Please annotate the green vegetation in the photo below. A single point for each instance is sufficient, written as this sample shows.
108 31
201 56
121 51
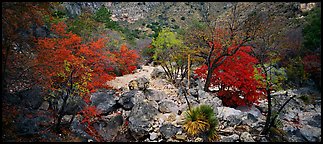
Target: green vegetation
312 30
104 15
156 28
295 72
85 26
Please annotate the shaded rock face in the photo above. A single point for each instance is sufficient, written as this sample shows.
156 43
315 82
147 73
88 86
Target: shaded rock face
126 100
31 97
193 83
41 31
316 121
104 101
75 8
13 99
310 134
79 128
250 120
169 130
140 119
131 98
109 129
33 121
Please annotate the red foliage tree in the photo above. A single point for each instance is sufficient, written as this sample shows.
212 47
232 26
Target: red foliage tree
66 54
126 60
234 77
71 67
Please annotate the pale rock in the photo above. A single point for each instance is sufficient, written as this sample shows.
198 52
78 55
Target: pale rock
172 140
246 137
150 129
156 129
171 117
167 106
168 130
179 132
181 137
228 130
67 118
250 110
225 112
198 139
153 136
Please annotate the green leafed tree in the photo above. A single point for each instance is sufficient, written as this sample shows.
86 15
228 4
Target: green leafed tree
171 54
312 30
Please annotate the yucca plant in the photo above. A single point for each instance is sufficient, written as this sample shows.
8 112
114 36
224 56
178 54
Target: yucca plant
201 120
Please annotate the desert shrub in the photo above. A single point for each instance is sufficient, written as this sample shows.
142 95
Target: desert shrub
201 120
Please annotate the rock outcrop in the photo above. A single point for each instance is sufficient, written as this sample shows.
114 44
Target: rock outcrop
140 119
104 101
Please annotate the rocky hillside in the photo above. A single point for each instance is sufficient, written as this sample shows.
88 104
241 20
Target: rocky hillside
136 15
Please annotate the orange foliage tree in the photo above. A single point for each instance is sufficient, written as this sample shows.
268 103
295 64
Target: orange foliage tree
70 67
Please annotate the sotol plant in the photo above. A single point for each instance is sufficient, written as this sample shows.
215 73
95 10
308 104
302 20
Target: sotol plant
201 121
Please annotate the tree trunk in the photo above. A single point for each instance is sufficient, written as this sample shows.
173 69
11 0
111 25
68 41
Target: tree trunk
72 119
208 79
61 112
188 71
267 124
185 95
